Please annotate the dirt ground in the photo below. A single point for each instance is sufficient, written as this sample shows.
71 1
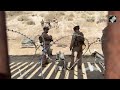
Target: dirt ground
20 21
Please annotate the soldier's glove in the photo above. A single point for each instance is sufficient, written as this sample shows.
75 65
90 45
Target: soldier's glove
70 48
84 45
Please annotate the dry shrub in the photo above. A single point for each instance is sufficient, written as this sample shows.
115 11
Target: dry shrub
70 17
23 18
61 13
13 13
34 15
101 20
89 12
49 17
84 15
52 15
42 15
90 19
30 23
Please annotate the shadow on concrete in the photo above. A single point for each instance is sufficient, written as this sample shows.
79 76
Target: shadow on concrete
35 58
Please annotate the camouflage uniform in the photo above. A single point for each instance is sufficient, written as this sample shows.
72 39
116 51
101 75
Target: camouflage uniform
45 39
76 47
42 23
46 42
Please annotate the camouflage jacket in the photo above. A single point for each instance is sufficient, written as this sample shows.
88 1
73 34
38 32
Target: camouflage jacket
74 42
45 38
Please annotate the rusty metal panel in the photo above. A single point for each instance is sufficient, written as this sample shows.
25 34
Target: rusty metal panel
111 47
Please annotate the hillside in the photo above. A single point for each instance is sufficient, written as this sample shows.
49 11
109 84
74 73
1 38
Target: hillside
28 23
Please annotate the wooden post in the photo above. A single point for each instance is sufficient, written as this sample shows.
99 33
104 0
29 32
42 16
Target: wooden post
4 60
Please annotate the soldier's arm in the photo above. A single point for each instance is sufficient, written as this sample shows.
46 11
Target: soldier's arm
51 39
82 35
72 42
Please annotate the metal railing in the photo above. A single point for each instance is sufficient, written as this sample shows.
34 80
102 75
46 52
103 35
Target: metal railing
99 58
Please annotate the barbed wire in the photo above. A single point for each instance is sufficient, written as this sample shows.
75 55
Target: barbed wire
54 42
32 41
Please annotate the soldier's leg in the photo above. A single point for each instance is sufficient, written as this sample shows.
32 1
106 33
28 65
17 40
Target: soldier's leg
49 53
72 59
44 60
79 56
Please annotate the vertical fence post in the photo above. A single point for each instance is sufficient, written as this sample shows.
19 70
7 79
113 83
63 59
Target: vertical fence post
112 47
4 59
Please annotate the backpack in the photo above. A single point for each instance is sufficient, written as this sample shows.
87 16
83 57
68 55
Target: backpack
41 39
79 39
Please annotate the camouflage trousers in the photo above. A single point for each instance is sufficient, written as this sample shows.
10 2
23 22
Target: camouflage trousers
76 56
47 53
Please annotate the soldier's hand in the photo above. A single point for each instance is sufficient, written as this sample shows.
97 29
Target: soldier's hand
84 45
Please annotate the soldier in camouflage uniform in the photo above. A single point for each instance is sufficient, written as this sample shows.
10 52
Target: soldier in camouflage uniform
45 40
42 23
76 45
